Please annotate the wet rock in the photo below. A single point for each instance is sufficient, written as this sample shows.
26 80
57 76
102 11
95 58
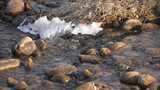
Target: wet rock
87 73
29 64
129 24
145 80
28 4
26 46
14 7
89 59
82 74
6 64
62 78
5 88
150 26
124 67
101 86
62 69
105 52
92 86
119 45
41 44
22 86
92 51
87 86
11 81
130 77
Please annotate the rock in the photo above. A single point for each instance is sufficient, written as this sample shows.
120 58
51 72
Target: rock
89 59
29 64
124 67
129 24
22 86
92 86
150 26
62 69
62 78
5 88
101 86
145 80
87 73
26 46
15 7
87 86
6 64
92 51
41 44
105 52
119 45
11 81
130 77
28 4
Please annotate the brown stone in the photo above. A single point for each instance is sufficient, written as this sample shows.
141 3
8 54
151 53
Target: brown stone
92 51
89 59
130 77
12 81
22 86
119 45
26 46
105 52
145 80
6 64
5 88
87 73
29 63
62 78
129 24
150 26
62 69
87 86
15 7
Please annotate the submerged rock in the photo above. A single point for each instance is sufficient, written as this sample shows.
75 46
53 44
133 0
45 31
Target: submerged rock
119 45
62 68
87 86
130 77
61 72
29 64
92 51
21 85
5 88
11 81
145 80
26 46
6 64
89 59
92 86
142 80
62 78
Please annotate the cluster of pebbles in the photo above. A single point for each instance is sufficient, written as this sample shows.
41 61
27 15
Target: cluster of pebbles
69 74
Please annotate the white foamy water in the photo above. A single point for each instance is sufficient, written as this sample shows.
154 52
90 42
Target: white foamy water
57 27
